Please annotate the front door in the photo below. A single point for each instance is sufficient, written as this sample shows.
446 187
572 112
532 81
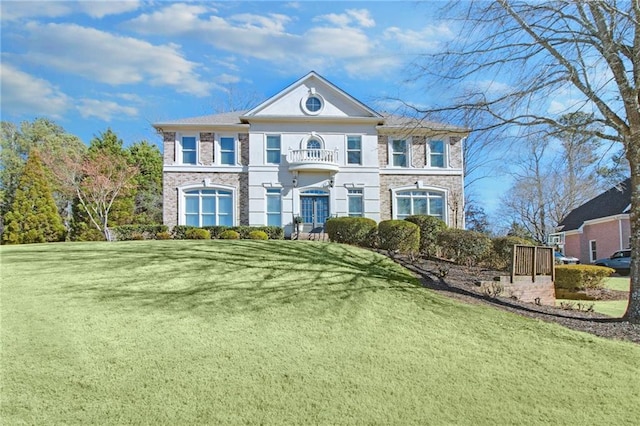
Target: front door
315 209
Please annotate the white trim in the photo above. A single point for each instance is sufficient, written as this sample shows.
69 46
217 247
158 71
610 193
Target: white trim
591 257
206 184
218 149
420 187
266 149
445 160
408 141
204 169
346 150
420 171
314 136
312 94
178 148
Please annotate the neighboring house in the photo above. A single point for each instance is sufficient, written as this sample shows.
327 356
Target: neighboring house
599 227
311 151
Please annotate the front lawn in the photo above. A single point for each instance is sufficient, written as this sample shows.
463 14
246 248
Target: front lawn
281 332
613 308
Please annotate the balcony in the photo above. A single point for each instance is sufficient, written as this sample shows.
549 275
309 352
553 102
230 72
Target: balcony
313 160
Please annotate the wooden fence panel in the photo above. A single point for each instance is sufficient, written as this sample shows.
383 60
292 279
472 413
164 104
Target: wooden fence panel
532 261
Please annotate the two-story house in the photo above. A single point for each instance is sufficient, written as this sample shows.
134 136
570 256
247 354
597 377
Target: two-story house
311 151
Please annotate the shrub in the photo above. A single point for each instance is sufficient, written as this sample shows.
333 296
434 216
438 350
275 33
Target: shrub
179 232
258 235
229 234
136 232
430 227
399 235
464 247
197 234
358 231
501 253
581 277
163 235
216 230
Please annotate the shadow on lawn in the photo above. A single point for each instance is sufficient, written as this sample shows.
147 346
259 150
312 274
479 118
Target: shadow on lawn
232 276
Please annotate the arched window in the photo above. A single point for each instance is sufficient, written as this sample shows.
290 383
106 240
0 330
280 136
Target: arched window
425 202
208 207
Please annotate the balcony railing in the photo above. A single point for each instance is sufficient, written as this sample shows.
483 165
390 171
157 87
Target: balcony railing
313 160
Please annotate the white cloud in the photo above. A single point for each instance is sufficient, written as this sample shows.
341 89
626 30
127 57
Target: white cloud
273 23
104 110
107 58
24 93
359 17
362 17
16 10
427 39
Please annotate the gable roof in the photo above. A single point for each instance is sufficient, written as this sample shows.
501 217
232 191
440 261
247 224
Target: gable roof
610 203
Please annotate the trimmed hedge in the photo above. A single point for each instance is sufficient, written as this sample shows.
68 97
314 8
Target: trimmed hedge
137 232
464 247
399 236
359 231
258 235
581 277
197 234
501 252
273 232
229 234
430 227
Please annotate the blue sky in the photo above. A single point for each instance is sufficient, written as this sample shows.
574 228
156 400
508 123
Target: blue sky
92 65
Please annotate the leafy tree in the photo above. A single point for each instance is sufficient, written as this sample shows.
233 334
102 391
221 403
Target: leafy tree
476 218
34 216
589 49
148 200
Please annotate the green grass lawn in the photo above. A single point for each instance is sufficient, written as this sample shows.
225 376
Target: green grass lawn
613 308
281 332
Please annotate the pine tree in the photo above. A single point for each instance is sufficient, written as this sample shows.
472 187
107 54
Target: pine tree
33 217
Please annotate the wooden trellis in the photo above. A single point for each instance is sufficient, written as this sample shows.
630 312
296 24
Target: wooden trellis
532 261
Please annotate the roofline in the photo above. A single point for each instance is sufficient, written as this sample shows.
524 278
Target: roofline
308 119
596 221
194 126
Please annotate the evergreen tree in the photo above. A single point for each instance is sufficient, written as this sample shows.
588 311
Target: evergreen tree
33 217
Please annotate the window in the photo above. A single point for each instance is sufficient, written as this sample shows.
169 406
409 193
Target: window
354 150
208 207
313 148
189 150
355 201
227 150
274 207
419 202
399 154
592 250
436 153
273 149
313 104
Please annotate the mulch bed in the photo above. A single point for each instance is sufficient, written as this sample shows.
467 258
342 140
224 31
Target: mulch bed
461 283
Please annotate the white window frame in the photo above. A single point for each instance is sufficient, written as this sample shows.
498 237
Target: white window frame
445 154
267 149
355 193
179 149
347 150
205 185
407 151
219 149
593 250
443 192
272 192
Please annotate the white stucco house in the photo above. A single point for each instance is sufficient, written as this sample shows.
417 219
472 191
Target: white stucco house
310 151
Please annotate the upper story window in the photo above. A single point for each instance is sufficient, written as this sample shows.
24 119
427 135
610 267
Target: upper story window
273 149
313 103
399 153
227 150
437 153
354 150
189 150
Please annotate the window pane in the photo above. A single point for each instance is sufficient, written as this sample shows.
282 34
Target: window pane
273 156
313 144
353 157
355 205
399 160
208 220
273 142
399 146
189 142
273 204
225 205
227 158
208 205
227 144
404 206
192 205
353 142
273 219
436 207
192 220
419 206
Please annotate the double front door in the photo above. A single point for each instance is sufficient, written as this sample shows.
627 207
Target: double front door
314 209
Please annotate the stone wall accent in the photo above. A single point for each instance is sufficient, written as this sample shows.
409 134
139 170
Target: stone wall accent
243 138
418 151
171 182
451 183
541 292
206 149
169 148
455 152
383 146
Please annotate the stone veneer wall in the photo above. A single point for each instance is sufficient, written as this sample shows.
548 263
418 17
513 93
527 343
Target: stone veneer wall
169 149
418 151
206 149
243 138
171 181
383 146
450 183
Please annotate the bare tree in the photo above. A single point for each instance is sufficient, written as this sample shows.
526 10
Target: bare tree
513 58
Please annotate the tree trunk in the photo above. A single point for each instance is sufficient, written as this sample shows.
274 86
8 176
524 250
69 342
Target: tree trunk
633 154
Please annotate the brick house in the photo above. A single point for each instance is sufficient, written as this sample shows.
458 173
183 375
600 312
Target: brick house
599 227
310 151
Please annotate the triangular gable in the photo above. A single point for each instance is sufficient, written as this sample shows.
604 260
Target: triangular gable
291 102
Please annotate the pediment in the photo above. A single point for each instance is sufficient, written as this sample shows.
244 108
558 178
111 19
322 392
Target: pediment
312 96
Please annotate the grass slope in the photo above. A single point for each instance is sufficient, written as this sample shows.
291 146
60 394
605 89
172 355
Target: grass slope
613 308
279 332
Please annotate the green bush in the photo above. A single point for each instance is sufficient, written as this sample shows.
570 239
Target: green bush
163 235
464 247
136 232
581 277
197 234
501 253
229 234
359 231
258 235
399 236
179 232
273 232
430 227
